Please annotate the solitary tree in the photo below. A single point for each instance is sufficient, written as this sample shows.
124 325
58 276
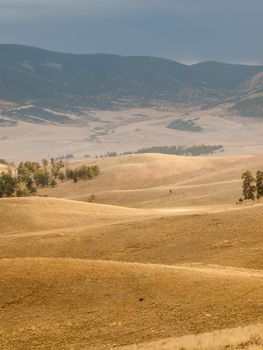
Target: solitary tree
259 184
249 187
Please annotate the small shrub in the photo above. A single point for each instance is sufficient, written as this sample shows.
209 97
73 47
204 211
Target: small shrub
92 198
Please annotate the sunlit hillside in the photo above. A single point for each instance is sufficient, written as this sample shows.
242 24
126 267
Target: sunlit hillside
185 261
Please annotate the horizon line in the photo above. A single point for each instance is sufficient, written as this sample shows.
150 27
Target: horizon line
193 62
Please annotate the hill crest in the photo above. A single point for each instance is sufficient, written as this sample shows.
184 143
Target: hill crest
38 80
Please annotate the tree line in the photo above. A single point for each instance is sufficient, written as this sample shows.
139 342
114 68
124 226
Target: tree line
252 186
180 150
25 179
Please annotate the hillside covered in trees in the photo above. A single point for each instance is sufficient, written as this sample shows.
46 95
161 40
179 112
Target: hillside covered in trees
43 81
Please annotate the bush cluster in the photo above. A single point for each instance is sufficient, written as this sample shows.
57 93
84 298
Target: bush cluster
82 173
29 176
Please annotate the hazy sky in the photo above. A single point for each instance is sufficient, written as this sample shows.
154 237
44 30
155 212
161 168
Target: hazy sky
183 30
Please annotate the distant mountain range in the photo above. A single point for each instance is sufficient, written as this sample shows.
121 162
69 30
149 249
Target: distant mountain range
45 80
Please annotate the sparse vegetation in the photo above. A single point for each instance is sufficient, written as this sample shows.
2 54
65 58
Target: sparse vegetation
25 180
69 263
92 198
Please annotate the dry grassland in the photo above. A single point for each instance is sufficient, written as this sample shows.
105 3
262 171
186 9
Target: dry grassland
145 181
80 304
155 272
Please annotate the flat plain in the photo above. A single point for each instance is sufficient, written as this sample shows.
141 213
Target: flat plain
129 130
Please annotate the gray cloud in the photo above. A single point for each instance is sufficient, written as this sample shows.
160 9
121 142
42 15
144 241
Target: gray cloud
184 30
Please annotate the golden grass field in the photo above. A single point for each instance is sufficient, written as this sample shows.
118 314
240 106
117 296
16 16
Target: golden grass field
140 268
145 181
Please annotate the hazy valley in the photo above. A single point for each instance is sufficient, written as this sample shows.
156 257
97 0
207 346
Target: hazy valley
94 104
135 251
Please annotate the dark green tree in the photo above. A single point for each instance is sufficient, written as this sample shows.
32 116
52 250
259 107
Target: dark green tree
69 174
30 185
259 184
8 185
249 187
42 178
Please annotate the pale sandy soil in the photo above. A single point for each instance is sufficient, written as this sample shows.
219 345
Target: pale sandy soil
129 130
250 337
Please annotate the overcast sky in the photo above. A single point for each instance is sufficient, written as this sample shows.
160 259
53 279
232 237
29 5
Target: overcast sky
184 30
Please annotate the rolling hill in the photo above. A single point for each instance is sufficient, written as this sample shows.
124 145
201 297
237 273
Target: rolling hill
79 304
67 286
156 271
99 232
49 85
29 214
145 181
